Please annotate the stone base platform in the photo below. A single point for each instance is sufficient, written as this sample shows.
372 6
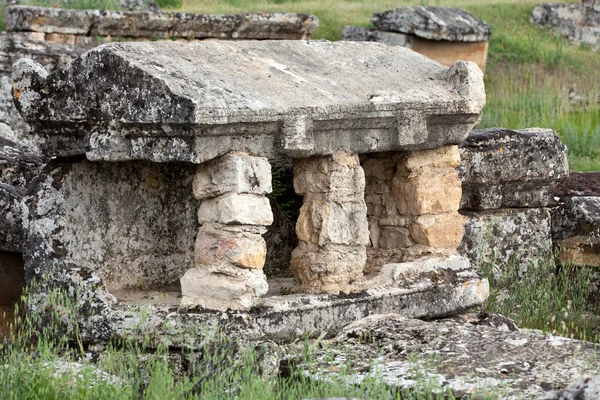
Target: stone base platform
427 288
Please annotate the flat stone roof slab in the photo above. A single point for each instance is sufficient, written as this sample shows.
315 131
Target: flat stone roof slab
168 101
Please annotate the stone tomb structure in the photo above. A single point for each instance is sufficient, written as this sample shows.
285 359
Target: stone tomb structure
441 33
156 194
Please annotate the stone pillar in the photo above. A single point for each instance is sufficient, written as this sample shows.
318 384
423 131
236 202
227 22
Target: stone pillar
230 250
412 205
332 227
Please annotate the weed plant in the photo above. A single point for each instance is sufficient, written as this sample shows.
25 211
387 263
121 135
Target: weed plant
557 300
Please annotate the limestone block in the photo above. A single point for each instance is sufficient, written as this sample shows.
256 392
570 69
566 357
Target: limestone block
395 237
222 287
442 231
243 249
506 168
323 222
234 172
330 269
428 191
446 156
130 224
237 209
339 175
508 238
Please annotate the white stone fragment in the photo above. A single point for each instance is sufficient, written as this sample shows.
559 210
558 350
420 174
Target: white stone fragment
236 209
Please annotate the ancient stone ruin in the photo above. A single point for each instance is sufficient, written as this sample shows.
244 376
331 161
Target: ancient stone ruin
155 195
54 37
579 22
443 34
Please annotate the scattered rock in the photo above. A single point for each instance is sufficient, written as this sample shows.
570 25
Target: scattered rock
140 5
586 388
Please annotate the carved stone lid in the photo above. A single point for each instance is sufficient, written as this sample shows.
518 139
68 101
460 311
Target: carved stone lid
168 101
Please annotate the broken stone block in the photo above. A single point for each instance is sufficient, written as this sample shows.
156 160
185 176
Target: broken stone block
441 231
217 247
330 269
222 287
506 168
233 173
236 209
436 23
508 238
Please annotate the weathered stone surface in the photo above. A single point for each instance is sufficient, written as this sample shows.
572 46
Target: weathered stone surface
505 168
580 23
217 247
12 277
362 34
236 209
584 388
18 164
233 173
164 101
132 224
508 238
340 175
161 25
437 23
472 359
222 287
13 218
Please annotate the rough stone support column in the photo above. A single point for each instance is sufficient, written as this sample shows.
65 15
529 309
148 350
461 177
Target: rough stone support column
230 250
412 205
332 227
